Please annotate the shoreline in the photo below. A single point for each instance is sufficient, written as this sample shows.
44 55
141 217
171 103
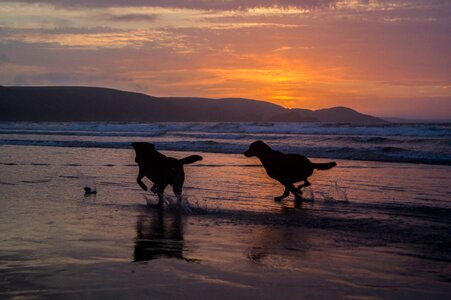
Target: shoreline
125 146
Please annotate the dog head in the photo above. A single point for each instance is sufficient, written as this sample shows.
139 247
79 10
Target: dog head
256 148
143 150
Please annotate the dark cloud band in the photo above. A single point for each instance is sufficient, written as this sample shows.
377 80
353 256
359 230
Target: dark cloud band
195 4
131 17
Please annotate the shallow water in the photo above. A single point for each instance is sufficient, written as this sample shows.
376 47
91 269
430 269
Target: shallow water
366 229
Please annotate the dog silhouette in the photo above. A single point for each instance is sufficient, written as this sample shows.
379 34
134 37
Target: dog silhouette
161 170
286 168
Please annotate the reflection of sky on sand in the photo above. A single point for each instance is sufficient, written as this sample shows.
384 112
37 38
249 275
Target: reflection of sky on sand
390 238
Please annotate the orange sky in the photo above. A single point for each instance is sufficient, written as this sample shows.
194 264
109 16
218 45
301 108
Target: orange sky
387 58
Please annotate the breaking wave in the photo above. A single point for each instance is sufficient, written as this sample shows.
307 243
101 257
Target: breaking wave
415 143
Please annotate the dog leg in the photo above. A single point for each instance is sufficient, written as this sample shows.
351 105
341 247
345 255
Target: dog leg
285 194
305 184
177 186
160 199
297 193
153 189
178 193
139 180
160 193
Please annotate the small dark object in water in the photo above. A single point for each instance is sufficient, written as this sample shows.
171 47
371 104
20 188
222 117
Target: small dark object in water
89 191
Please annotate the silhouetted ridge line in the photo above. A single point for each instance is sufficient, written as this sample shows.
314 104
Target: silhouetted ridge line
92 104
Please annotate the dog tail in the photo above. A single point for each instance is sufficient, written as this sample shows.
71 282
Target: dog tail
325 166
190 159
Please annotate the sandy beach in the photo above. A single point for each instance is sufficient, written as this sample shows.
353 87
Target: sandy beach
367 230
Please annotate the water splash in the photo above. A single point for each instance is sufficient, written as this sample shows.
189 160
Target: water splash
308 194
340 193
335 193
196 206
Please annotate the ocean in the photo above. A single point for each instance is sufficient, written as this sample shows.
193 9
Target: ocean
376 226
416 143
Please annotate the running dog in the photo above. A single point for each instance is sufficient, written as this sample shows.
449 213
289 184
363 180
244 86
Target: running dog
161 170
286 168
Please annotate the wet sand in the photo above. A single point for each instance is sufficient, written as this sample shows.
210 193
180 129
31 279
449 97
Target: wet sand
367 230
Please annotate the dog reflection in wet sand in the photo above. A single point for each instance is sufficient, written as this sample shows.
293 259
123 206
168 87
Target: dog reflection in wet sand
286 168
159 234
161 170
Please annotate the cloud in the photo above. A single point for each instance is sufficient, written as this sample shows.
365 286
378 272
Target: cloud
243 4
8 32
83 40
97 38
131 17
195 4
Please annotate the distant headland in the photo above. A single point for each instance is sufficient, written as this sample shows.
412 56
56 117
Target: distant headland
93 104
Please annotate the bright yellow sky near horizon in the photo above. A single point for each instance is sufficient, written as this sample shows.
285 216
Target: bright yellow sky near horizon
386 58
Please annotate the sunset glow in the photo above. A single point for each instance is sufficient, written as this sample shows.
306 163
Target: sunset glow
386 58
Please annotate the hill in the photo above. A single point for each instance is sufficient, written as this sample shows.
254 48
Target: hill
83 104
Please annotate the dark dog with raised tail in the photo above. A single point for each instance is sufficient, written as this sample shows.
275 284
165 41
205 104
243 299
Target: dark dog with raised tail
161 170
286 168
